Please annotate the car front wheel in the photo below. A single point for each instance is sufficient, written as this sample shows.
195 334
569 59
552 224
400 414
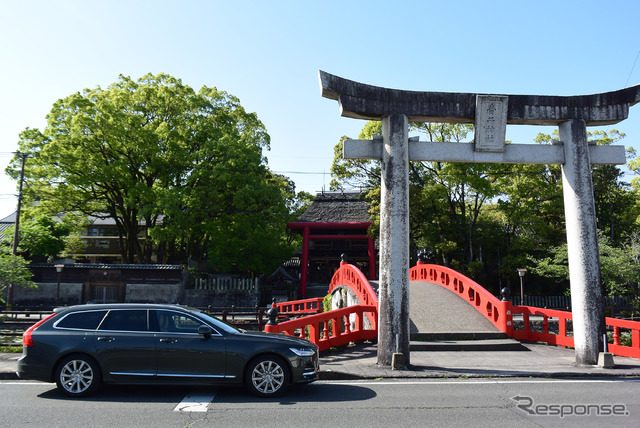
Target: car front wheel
78 376
267 376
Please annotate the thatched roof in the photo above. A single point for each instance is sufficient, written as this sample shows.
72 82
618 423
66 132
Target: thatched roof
336 208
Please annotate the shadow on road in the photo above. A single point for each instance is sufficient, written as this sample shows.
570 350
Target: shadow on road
311 393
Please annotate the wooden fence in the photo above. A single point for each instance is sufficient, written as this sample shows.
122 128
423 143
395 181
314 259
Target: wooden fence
227 284
564 302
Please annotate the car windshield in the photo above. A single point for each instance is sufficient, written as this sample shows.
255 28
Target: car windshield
215 322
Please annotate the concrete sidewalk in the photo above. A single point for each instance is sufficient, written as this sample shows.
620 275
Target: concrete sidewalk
359 362
534 360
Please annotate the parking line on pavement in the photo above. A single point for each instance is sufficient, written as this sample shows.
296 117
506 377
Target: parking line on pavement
195 403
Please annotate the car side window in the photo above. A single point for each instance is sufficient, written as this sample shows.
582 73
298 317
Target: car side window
89 320
176 322
125 320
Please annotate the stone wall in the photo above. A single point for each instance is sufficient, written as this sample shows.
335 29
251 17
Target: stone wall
220 299
45 294
71 294
153 293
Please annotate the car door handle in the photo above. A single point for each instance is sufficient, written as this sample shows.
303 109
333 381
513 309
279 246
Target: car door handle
168 340
106 338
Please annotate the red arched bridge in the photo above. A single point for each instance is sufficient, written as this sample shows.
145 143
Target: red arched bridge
354 316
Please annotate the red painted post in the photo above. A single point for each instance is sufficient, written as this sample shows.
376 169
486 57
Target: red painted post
506 320
314 332
525 319
304 263
562 327
373 270
616 335
545 324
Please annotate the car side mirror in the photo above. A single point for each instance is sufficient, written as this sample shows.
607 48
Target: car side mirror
205 331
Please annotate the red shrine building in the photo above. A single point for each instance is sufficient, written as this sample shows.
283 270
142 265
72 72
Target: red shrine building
334 224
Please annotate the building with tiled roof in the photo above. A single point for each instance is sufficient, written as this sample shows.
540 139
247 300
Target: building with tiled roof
7 222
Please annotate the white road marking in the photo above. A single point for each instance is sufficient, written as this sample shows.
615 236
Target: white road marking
195 403
25 383
472 381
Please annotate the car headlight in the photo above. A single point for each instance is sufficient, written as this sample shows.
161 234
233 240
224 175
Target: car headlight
303 352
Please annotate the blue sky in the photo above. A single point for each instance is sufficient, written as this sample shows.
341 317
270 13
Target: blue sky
268 54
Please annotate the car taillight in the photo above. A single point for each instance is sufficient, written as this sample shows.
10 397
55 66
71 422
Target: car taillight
27 340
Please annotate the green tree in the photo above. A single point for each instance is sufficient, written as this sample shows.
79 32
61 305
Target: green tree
619 266
13 270
363 174
43 237
489 219
446 198
450 198
154 154
533 210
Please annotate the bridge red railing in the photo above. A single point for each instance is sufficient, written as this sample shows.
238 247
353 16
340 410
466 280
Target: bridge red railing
351 277
551 326
542 325
333 328
306 306
554 327
633 329
495 310
339 326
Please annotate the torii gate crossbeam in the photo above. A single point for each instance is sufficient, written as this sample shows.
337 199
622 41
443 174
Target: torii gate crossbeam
490 114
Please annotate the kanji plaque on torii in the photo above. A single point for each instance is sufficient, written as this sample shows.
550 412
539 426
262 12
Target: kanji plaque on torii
490 114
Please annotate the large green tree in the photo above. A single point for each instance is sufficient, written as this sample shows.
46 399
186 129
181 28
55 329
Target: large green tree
446 198
532 206
487 219
155 154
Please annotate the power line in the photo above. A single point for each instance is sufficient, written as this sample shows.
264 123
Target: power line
302 172
632 67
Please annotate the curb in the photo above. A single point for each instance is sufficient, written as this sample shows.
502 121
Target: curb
407 374
444 375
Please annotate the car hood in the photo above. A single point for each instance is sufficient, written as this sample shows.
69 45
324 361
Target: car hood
279 337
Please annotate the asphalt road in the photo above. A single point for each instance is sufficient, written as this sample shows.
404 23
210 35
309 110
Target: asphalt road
462 402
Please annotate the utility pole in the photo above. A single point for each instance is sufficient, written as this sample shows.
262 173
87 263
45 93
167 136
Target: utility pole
14 246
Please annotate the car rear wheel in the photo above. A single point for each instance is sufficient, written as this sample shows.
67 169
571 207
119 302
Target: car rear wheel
78 376
267 376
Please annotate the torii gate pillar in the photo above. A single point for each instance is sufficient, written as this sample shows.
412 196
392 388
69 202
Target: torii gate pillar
490 115
393 294
582 243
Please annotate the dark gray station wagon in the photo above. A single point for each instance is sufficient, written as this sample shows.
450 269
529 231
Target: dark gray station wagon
82 346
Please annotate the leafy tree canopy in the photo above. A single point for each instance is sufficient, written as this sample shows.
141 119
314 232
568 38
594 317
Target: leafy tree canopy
13 270
486 220
155 154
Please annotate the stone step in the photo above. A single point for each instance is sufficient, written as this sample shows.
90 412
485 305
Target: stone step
470 335
468 345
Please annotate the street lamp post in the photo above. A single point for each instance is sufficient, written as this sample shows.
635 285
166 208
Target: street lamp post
521 273
59 270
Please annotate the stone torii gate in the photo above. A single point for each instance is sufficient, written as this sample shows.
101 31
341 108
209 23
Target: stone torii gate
490 115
